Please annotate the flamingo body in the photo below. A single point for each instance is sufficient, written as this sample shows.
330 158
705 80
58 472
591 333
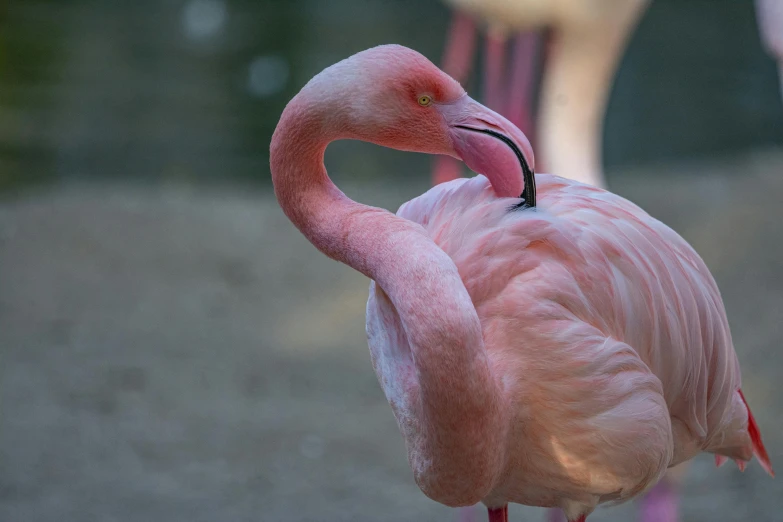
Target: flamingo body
560 350
605 333
585 46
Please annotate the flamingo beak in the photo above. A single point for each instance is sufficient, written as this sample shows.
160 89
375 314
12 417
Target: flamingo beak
491 145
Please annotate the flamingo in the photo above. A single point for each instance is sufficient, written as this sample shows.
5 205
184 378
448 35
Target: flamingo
585 43
540 341
584 46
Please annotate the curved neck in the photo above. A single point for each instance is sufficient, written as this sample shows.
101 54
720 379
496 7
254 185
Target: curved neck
373 241
440 323
398 254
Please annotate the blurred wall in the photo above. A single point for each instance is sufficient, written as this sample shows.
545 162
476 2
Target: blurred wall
192 89
695 81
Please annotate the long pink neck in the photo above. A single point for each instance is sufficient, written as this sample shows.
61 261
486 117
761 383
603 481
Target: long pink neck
459 399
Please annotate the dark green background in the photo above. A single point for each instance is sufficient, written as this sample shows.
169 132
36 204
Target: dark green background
114 89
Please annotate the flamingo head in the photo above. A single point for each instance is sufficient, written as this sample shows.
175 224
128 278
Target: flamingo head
395 97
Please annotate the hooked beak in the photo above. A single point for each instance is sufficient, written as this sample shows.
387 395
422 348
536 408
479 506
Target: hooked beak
491 145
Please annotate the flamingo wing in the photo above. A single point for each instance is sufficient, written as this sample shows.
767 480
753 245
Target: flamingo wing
604 263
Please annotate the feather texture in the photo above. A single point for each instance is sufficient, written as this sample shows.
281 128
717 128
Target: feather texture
605 333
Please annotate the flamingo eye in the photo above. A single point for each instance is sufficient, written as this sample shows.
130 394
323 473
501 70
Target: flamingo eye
425 100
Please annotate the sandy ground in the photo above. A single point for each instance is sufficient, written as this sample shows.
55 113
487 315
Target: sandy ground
171 354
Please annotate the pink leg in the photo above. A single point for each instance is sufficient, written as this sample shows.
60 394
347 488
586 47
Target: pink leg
555 515
494 67
520 106
460 46
446 169
457 62
467 514
659 504
498 514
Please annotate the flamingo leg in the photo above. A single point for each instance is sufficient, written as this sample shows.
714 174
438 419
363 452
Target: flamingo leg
494 68
498 514
457 63
467 514
460 46
555 515
446 169
659 504
525 72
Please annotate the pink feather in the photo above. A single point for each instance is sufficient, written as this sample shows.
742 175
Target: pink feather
559 356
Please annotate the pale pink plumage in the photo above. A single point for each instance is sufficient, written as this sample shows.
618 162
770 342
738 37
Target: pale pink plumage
605 333
563 355
580 65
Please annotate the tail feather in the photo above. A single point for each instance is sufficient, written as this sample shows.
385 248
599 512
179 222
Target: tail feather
759 451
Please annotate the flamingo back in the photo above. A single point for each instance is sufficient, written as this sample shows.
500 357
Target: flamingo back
605 330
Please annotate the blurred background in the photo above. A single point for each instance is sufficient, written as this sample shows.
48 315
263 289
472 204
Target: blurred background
172 349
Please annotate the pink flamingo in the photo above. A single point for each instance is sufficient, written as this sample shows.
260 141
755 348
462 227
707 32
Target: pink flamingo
586 39
584 44
558 349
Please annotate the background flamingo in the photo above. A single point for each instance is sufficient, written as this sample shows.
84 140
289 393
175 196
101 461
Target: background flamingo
576 46
455 307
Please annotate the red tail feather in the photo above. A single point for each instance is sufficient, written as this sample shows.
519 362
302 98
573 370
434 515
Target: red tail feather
759 450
